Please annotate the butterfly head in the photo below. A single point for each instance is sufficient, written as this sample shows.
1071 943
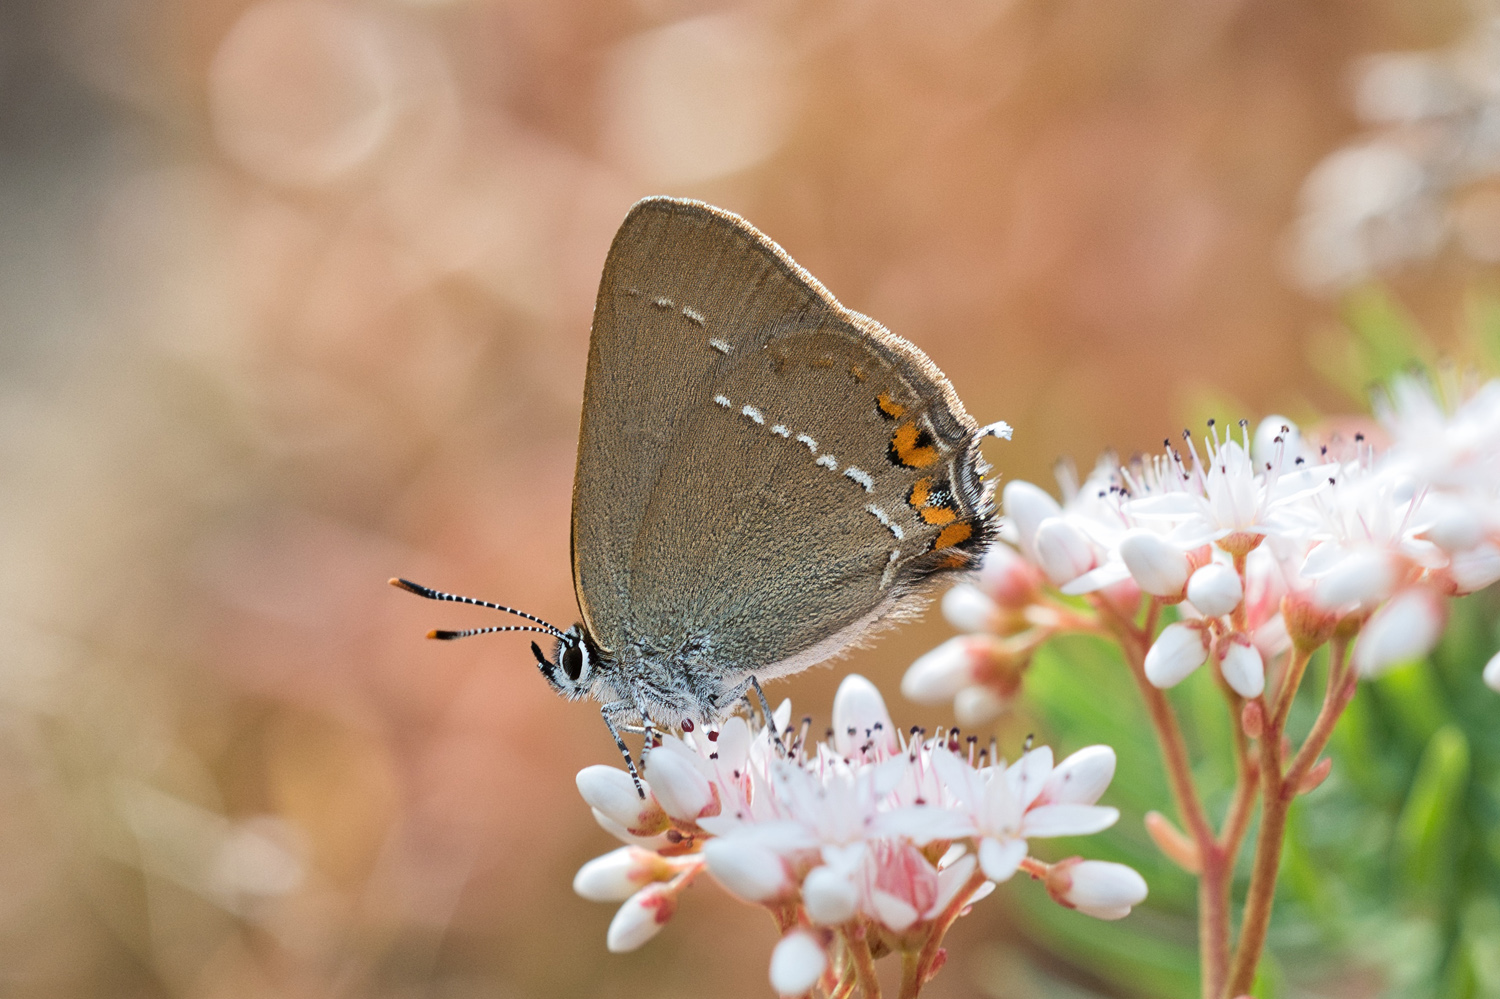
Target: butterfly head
571 669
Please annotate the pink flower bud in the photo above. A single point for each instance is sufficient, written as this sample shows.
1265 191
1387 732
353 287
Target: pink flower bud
1158 566
941 673
1062 550
1405 629
1215 589
1007 578
620 873
829 896
1026 506
1096 888
1178 650
978 706
747 869
968 609
1080 779
1492 673
641 917
612 792
682 789
1242 666
797 963
860 716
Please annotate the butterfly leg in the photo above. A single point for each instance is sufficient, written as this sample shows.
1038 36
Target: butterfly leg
765 707
608 712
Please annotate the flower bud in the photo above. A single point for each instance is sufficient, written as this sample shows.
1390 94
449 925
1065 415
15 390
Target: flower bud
1456 526
1405 629
678 784
1080 779
797 963
1242 666
1492 673
1007 578
1363 577
1062 550
747 869
829 896
1174 844
612 792
1316 776
620 873
1215 589
1096 888
1178 650
641 917
942 672
967 608
1264 448
1307 622
978 706
1026 506
860 716
1159 567
1475 569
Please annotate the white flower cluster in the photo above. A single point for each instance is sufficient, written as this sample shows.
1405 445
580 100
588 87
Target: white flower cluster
1262 542
868 837
1414 182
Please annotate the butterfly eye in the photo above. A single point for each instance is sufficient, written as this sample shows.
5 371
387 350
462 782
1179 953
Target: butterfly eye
572 662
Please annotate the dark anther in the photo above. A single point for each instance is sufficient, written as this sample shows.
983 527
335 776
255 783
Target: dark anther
673 836
1244 423
713 735
687 725
1358 438
1211 422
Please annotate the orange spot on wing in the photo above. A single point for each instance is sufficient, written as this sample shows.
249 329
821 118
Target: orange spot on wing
920 492
890 407
953 534
938 515
912 446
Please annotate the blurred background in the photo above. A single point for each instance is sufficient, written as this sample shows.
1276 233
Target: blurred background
295 296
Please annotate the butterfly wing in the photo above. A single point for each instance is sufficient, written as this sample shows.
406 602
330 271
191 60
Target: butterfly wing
763 474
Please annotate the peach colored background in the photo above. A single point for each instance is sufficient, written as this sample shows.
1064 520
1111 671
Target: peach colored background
297 298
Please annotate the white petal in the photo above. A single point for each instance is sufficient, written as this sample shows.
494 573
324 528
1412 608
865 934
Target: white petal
923 824
1081 778
978 706
895 913
1492 673
797 963
829 896
1158 566
1364 576
1028 775
999 860
860 716
1476 568
1068 820
677 783
1177 651
611 791
1063 551
618 874
640 918
967 608
750 871
1096 579
950 880
1215 589
1405 629
941 673
733 745
1026 506
1243 668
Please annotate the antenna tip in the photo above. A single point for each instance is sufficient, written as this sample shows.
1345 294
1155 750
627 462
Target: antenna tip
403 584
442 635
